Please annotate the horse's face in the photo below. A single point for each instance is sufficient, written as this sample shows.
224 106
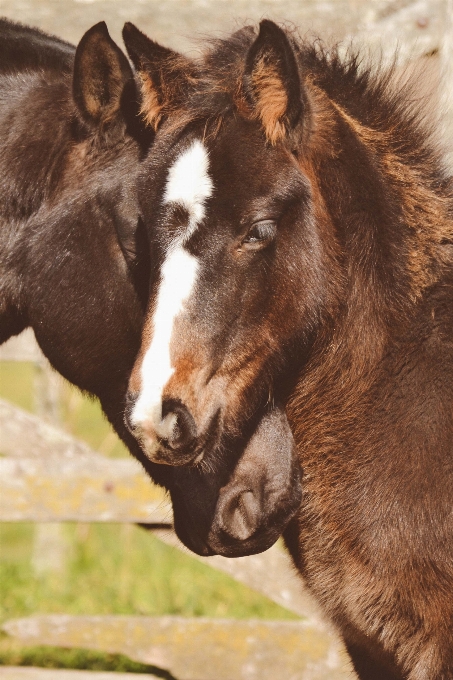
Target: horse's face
237 288
236 250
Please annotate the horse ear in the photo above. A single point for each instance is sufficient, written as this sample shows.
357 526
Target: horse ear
161 71
271 82
101 74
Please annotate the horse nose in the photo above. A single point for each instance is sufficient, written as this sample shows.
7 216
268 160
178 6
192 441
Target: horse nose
239 513
182 430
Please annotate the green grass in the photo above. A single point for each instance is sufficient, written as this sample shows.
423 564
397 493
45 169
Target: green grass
118 569
109 568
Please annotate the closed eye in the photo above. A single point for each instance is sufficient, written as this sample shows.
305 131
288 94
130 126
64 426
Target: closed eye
260 235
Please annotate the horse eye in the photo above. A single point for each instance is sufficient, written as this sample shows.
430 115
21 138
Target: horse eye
260 235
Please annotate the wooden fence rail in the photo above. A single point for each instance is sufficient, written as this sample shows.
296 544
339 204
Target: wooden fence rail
198 648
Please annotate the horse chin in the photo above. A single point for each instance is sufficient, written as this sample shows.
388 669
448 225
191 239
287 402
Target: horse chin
226 547
222 544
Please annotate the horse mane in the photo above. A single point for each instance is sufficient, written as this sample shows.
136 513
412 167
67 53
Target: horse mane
373 94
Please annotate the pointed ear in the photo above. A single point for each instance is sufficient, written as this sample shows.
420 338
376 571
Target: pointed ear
163 74
271 82
101 75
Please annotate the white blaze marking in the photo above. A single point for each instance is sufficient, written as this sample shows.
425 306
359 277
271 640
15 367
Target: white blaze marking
177 282
189 185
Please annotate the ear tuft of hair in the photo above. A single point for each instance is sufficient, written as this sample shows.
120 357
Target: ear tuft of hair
271 82
101 74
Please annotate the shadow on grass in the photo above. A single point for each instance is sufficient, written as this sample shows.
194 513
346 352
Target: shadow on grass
77 659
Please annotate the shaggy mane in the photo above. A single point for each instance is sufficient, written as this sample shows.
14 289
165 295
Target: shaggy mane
373 95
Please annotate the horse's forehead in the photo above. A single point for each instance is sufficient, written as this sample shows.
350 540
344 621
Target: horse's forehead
250 176
236 170
188 178
189 183
242 156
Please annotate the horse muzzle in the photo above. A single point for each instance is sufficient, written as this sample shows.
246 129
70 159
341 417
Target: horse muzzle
167 431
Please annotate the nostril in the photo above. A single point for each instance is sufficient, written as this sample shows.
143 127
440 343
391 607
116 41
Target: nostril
240 517
181 425
131 398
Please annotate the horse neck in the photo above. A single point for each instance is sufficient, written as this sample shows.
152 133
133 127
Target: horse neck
392 257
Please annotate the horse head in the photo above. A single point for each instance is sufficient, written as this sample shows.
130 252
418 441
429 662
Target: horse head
238 281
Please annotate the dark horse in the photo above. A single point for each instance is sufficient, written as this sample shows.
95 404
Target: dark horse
303 229
75 262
